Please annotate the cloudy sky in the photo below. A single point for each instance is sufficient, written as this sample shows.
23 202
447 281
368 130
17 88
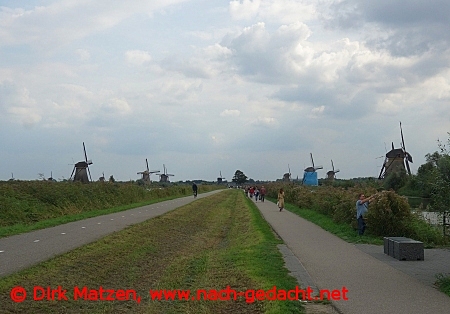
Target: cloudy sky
207 86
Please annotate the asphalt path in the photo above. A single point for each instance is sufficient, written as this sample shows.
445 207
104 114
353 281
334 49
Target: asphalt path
373 286
24 250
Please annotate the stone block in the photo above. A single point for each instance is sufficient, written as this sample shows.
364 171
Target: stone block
408 250
391 244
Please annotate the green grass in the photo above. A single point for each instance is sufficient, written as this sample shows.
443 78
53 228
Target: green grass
341 230
22 228
211 243
443 283
31 205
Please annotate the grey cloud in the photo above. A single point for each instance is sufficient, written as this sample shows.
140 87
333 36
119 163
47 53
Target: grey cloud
414 26
260 55
407 13
340 102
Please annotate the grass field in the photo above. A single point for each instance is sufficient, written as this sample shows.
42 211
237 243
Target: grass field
209 244
30 205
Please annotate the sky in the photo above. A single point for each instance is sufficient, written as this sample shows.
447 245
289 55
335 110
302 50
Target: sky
208 87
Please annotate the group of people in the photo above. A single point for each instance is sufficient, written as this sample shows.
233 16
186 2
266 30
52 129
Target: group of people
362 204
258 193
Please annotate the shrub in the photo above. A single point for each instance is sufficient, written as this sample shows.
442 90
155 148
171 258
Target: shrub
389 213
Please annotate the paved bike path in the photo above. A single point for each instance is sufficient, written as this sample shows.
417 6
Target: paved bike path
373 285
24 250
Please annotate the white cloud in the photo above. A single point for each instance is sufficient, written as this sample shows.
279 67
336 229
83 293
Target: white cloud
83 54
318 110
117 106
244 9
17 103
137 57
230 113
68 20
265 122
275 11
197 80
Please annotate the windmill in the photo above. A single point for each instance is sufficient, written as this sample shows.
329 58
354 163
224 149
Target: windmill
81 169
220 179
102 178
310 174
51 177
164 177
397 159
146 173
287 175
331 175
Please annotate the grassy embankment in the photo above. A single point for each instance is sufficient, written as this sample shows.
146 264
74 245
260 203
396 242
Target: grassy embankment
210 243
32 205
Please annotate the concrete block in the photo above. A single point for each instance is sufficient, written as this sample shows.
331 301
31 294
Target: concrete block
391 244
408 250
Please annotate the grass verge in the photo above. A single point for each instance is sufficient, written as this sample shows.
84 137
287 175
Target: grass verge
443 283
22 228
209 244
343 231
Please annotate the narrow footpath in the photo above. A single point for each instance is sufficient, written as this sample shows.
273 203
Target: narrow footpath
24 250
331 263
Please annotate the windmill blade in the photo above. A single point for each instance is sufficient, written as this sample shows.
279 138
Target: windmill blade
332 165
89 171
289 170
72 173
392 145
85 155
164 167
381 171
408 157
407 166
312 160
403 140
147 164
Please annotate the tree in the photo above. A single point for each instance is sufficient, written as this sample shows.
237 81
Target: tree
440 194
239 177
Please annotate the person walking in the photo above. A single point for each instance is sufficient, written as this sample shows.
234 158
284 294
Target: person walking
256 193
262 193
251 191
280 199
362 206
194 189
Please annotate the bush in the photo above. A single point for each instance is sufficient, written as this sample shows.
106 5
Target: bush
389 213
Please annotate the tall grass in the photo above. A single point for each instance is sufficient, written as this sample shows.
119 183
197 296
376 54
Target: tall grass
27 203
